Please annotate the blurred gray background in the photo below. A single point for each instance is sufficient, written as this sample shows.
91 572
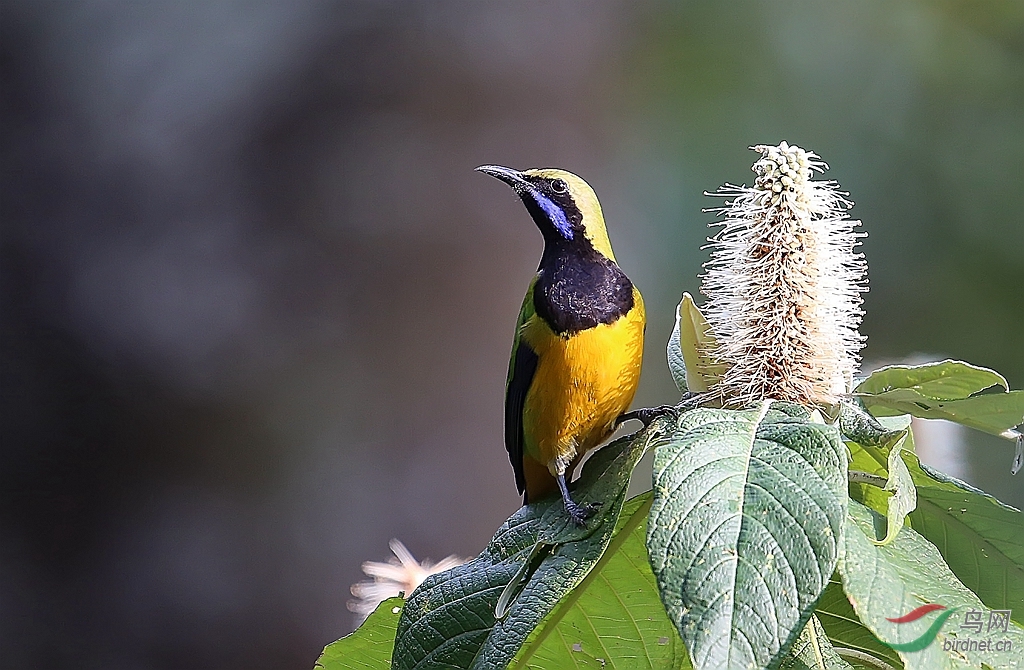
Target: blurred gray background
257 306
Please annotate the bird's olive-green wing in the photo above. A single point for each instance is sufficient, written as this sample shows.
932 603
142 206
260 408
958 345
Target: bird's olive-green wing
521 369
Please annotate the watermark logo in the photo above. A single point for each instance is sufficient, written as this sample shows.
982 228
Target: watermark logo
927 637
998 621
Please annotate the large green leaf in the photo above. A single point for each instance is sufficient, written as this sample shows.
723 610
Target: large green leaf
944 380
884 582
614 618
850 638
949 390
813 651
369 647
994 413
534 559
748 509
980 538
689 350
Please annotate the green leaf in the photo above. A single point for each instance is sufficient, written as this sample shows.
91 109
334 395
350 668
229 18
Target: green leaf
944 380
614 618
748 508
369 647
980 538
689 360
449 621
851 639
858 425
946 390
890 581
904 494
993 413
814 651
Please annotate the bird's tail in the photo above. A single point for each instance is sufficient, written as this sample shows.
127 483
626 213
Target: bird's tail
539 482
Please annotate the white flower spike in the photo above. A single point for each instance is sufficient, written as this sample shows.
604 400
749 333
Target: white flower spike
784 284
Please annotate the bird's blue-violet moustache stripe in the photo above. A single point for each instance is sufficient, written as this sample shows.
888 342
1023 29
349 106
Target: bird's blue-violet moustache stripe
555 214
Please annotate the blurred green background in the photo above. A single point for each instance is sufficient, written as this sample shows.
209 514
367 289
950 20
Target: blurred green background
257 307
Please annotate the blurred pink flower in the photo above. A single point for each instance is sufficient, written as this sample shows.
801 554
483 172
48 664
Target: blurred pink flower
401 574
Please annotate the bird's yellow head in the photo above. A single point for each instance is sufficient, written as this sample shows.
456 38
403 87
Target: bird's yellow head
563 206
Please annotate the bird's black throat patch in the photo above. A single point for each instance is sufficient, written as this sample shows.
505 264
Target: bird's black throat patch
578 288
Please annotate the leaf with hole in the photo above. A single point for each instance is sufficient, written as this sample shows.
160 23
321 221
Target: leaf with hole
369 647
942 380
950 390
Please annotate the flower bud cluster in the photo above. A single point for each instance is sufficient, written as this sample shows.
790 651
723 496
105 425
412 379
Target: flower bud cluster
783 172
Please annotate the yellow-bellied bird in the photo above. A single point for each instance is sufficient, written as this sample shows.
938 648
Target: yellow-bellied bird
579 340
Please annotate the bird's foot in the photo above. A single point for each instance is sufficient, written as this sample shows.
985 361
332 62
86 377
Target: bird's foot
645 415
578 513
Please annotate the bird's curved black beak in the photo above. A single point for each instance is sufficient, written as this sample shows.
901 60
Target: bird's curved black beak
513 178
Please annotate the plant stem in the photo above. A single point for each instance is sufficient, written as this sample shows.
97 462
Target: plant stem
859 477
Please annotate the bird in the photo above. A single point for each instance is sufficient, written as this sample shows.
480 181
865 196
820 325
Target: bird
578 344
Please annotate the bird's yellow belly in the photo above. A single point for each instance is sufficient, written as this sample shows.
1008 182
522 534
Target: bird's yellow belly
581 386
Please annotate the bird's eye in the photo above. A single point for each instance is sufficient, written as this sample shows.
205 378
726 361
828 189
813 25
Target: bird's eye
559 186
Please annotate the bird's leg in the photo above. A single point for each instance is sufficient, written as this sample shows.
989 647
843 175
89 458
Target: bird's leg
578 513
646 415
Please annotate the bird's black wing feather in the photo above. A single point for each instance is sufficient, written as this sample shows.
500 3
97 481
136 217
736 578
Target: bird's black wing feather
524 365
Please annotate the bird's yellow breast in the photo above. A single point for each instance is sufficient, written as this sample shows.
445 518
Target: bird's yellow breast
582 384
